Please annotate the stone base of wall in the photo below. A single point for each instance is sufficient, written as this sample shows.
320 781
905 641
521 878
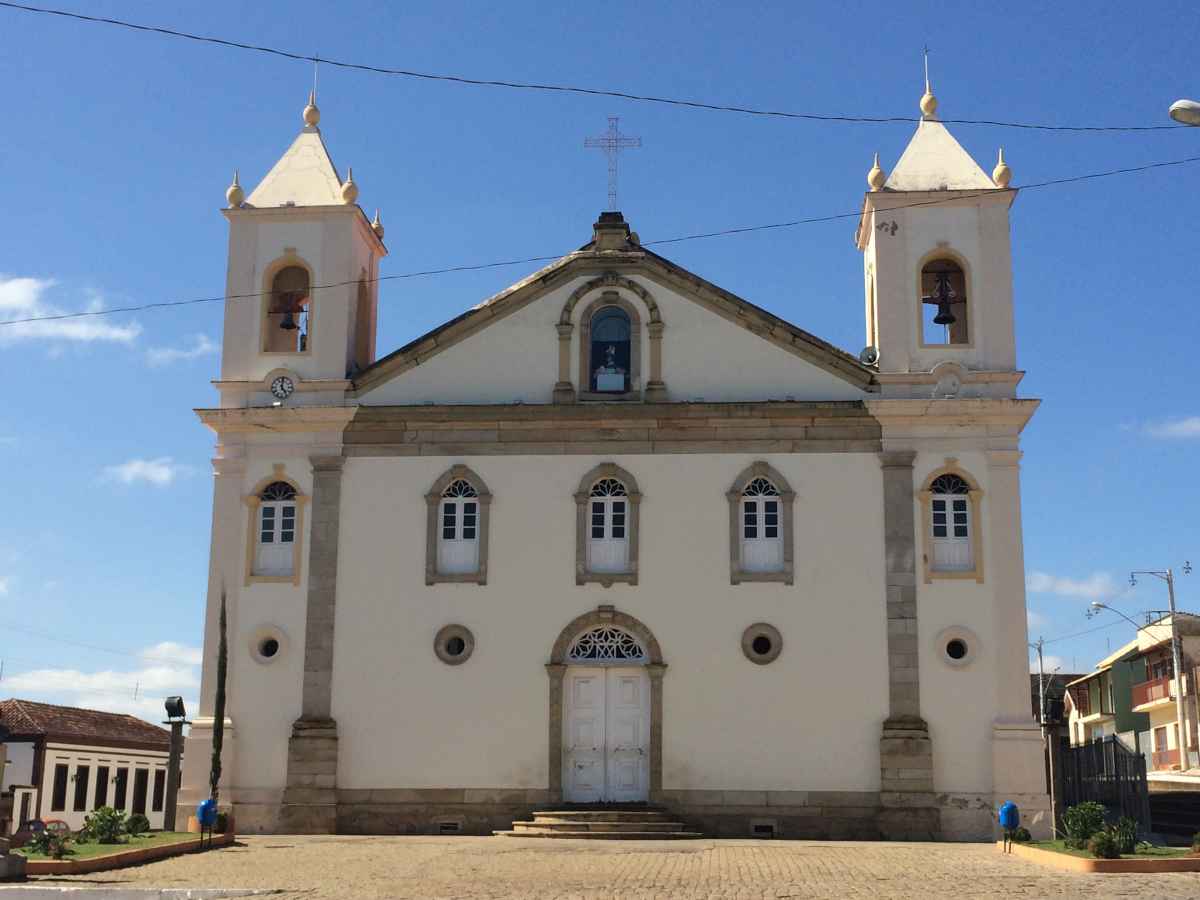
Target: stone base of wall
797 815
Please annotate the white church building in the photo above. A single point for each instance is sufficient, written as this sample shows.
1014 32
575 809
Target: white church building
617 536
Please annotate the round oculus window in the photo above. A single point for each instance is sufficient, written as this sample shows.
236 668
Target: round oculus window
454 644
268 643
762 643
956 649
957 646
268 647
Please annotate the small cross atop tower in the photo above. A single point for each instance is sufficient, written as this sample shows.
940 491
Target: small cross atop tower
612 143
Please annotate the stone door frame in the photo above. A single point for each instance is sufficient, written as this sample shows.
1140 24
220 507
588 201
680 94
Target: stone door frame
556 669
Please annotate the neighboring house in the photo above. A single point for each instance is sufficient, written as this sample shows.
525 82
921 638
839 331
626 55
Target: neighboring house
64 761
1056 712
1156 687
618 535
1098 704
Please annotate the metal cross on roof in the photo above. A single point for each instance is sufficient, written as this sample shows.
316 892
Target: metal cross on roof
612 143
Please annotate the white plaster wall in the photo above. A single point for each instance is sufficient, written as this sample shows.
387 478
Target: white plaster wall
20 764
809 720
76 757
516 358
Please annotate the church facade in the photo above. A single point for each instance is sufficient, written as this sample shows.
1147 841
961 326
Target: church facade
616 535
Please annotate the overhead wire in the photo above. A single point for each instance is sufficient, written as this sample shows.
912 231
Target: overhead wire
474 267
559 88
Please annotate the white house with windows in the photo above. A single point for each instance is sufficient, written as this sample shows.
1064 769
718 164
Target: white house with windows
618 535
64 762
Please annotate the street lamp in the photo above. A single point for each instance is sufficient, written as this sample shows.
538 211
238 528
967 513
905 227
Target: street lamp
1186 112
1169 577
1096 606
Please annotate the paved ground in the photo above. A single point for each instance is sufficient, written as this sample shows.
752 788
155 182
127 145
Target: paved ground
479 867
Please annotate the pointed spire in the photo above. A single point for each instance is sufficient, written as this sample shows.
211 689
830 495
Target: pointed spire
312 115
876 177
928 101
235 195
377 226
349 188
1002 174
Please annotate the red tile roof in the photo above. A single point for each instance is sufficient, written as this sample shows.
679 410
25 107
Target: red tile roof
27 718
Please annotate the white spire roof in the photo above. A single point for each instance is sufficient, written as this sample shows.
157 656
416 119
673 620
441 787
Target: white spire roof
305 174
935 161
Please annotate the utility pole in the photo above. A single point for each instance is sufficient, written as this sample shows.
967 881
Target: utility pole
1048 742
1176 659
1041 684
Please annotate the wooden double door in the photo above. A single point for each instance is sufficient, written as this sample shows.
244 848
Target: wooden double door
606 734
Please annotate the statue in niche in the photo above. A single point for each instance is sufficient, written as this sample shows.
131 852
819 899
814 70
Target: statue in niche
609 376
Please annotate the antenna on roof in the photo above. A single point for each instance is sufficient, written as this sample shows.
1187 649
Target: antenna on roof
926 68
317 68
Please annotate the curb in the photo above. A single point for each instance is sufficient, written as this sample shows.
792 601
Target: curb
1111 866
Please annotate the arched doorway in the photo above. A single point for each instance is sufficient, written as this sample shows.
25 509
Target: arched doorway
605 711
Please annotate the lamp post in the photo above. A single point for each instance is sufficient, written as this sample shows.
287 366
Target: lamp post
1176 657
1185 112
176 718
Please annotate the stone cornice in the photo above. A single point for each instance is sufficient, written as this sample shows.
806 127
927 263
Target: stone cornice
281 419
901 413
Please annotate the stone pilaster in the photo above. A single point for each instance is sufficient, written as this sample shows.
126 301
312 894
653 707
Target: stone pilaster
564 391
310 799
656 389
905 749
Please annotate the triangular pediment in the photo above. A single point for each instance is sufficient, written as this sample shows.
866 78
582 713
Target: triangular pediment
304 176
533 306
935 161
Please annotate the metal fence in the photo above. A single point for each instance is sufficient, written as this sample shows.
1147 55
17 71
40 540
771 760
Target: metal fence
1108 772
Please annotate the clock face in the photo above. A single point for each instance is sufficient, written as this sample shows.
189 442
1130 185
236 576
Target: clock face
282 387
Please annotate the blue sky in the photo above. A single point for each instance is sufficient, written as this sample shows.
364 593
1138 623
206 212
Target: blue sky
119 146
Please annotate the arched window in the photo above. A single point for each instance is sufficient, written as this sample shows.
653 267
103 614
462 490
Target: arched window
760 526
943 303
950 517
950 503
289 312
458 541
277 530
456 547
608 527
762 532
610 358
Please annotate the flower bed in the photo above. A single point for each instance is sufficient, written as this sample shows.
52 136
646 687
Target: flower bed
1154 859
99 857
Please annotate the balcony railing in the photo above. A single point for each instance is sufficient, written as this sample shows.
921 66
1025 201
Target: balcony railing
1165 759
1150 691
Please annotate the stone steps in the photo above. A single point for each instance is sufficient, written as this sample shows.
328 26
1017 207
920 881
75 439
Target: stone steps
604 823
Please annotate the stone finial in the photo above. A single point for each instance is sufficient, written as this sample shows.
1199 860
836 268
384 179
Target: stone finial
234 194
1002 174
377 226
611 232
312 115
928 102
349 188
876 177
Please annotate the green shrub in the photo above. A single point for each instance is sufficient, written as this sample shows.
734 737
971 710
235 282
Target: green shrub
105 825
1125 833
49 842
1103 845
137 824
1022 835
1081 822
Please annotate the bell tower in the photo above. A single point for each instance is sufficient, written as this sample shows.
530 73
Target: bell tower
937 261
301 288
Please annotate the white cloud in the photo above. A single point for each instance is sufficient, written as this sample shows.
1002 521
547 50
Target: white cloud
1182 427
1094 587
202 345
1035 619
22 298
173 671
159 472
5 583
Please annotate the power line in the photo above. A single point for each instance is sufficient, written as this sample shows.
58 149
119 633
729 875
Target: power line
145 657
1067 637
561 88
727 232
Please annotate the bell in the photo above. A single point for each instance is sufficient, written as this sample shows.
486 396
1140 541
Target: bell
289 322
944 316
